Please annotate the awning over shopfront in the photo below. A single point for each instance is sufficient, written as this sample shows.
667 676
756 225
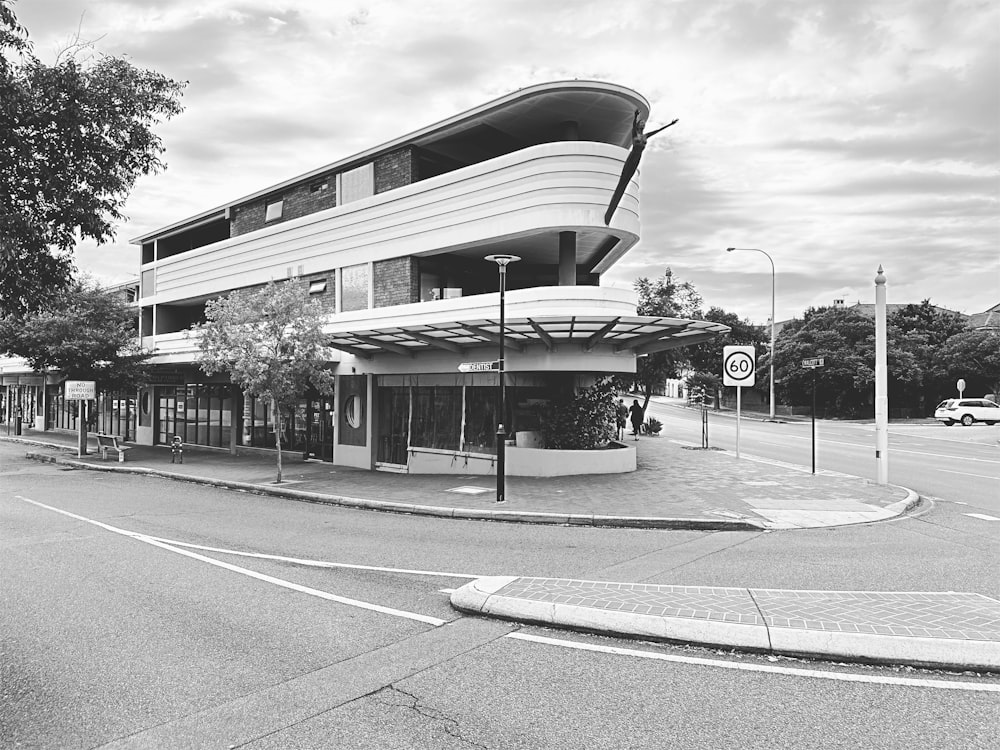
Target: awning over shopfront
635 334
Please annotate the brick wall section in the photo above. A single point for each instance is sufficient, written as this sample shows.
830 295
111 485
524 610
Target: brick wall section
303 199
396 282
395 170
299 200
329 297
246 218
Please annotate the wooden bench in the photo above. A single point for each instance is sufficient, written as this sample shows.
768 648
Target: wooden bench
105 442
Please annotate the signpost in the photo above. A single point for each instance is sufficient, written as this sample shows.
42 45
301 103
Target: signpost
812 364
961 386
479 366
81 391
739 367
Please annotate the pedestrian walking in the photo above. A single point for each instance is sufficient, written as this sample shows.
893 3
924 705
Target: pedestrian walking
621 418
635 414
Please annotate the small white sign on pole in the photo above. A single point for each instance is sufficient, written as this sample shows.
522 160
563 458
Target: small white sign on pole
739 368
81 390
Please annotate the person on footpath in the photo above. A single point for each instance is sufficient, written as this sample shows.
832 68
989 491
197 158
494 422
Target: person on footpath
635 414
621 418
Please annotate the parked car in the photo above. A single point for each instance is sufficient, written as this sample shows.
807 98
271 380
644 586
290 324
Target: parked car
967 411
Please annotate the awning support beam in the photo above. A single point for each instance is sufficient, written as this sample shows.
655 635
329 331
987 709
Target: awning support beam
598 336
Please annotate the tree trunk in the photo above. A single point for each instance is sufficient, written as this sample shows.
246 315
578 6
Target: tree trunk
276 416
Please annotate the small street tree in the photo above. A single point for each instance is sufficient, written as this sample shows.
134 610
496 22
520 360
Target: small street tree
74 137
668 298
270 341
87 332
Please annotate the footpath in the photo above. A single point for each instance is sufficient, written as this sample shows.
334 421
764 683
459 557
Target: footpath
676 486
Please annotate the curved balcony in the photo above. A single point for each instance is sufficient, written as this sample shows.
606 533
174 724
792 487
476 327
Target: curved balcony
539 190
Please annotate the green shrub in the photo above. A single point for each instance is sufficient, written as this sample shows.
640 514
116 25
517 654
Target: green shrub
582 420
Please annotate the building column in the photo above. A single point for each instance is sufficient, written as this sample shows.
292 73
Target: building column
567 259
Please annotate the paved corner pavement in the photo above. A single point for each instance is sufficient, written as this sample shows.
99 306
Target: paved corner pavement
675 486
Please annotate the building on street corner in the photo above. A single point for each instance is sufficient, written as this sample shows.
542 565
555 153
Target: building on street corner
394 240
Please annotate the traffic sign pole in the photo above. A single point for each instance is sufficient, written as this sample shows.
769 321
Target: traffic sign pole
739 366
739 391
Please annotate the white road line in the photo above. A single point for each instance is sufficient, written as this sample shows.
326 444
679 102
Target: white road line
722 664
892 449
967 474
316 563
982 516
789 671
250 573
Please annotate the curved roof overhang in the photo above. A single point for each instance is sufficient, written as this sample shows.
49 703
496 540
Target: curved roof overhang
600 111
637 335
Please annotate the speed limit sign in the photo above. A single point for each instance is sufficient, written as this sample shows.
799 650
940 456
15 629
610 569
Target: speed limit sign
739 365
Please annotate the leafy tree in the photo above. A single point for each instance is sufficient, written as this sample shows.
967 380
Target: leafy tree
270 341
706 358
922 330
87 332
664 297
74 137
973 356
845 339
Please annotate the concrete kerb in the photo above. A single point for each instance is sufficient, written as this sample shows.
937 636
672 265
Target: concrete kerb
480 597
471 514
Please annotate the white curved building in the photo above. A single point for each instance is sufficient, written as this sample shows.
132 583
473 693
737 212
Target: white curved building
394 240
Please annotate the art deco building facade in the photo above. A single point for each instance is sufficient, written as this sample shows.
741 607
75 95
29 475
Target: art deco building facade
394 241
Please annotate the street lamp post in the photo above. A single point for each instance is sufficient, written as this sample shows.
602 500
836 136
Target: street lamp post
771 358
502 262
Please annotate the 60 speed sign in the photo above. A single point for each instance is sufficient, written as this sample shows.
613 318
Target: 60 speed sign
739 365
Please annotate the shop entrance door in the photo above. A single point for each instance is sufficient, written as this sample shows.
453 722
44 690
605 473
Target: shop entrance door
320 421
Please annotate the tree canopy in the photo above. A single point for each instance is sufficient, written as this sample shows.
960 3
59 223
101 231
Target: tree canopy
87 332
74 137
928 349
665 297
270 342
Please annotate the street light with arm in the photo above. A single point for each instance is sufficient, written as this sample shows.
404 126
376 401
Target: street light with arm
771 378
502 261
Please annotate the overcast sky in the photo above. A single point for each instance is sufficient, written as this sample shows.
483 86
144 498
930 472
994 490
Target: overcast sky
837 135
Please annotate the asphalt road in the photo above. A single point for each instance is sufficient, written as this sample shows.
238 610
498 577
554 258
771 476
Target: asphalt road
116 632
956 464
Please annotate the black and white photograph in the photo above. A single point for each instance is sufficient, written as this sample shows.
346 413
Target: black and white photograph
395 375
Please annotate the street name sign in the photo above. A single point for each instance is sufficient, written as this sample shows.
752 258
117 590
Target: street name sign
81 390
813 362
479 366
739 365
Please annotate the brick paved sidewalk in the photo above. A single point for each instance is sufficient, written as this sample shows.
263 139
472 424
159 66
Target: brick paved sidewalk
673 487
950 630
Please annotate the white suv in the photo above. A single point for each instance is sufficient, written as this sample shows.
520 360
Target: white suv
967 411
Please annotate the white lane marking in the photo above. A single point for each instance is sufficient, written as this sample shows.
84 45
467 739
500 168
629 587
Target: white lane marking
893 449
245 571
789 671
967 474
982 516
315 563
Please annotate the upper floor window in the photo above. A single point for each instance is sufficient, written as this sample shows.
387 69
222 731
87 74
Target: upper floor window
272 210
354 283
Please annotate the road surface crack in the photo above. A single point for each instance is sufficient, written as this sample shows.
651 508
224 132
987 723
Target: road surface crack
397 697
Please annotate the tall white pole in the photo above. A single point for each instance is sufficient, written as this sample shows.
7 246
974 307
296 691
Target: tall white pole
881 384
771 358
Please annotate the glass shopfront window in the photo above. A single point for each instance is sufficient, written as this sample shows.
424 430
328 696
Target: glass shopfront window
201 414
